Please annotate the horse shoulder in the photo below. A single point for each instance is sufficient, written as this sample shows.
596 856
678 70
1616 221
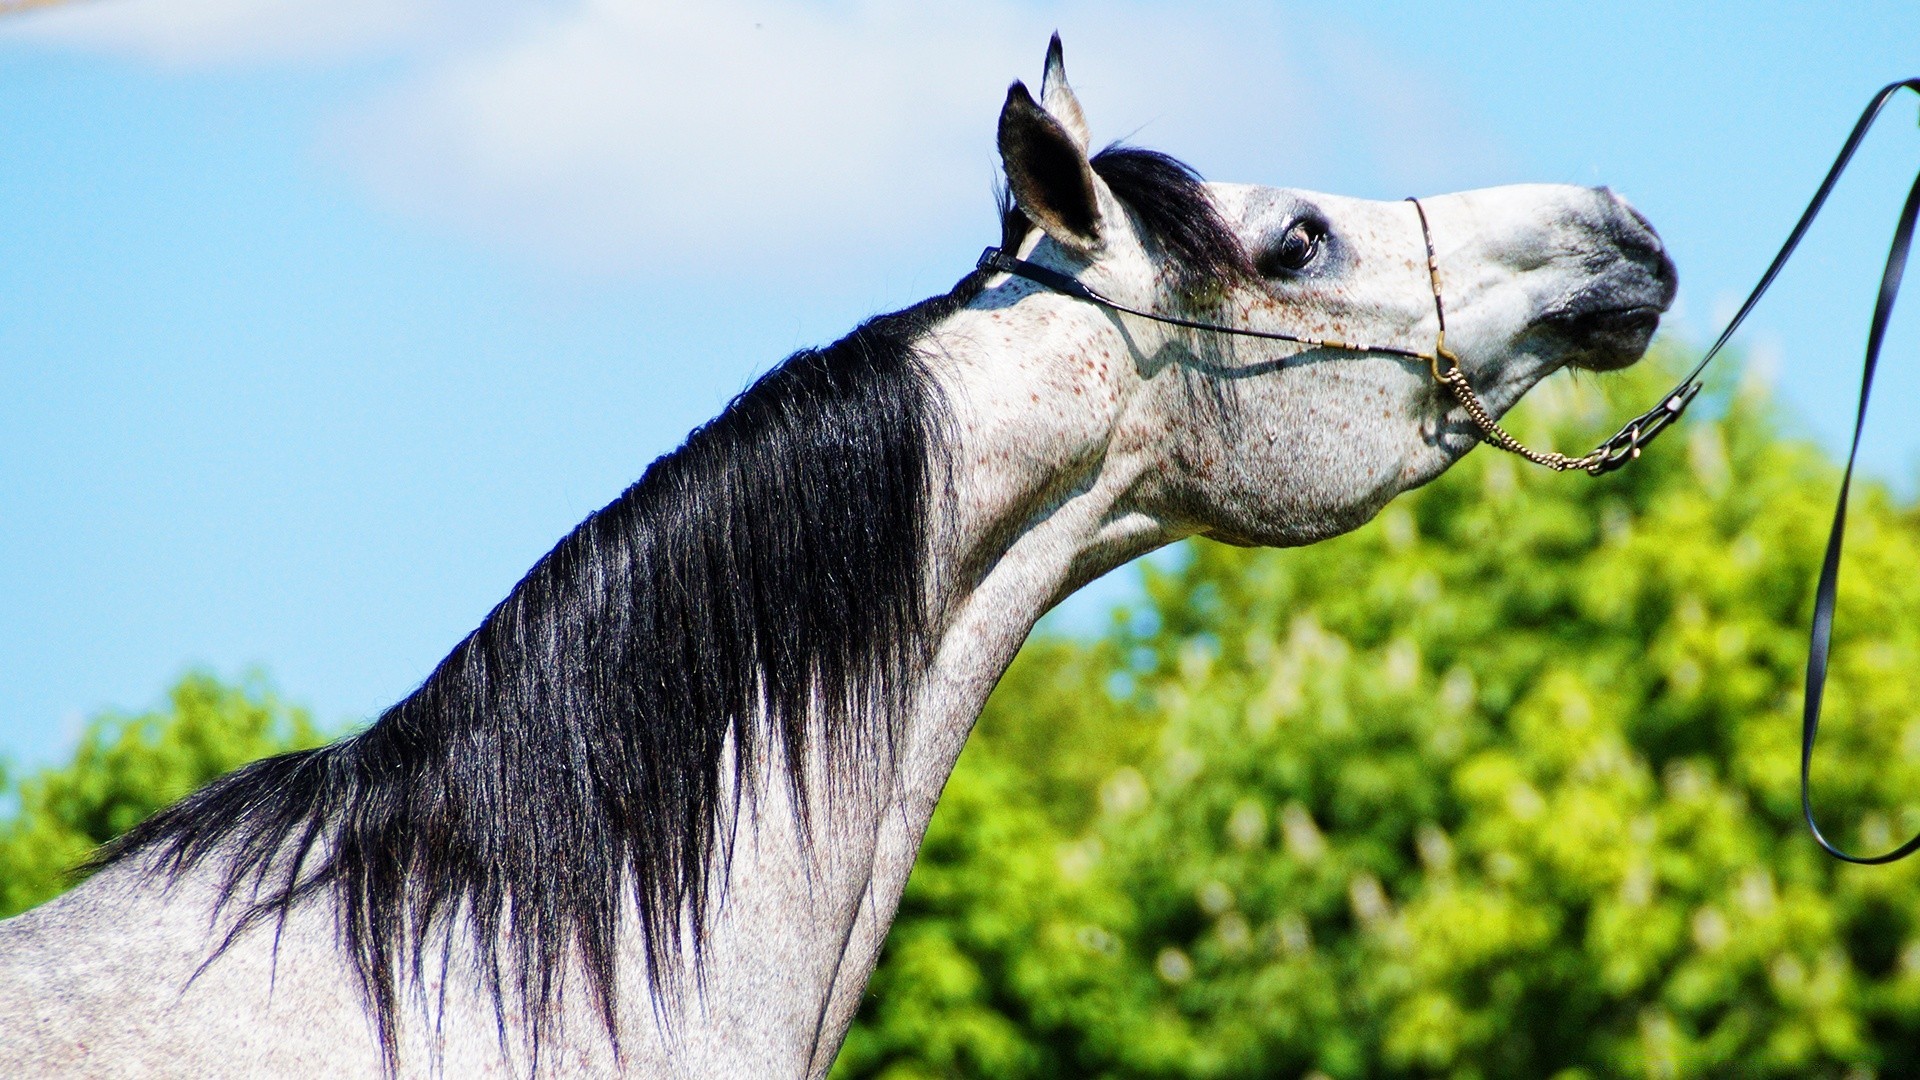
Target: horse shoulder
107 980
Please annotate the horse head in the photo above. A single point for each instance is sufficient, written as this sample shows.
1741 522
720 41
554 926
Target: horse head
1258 442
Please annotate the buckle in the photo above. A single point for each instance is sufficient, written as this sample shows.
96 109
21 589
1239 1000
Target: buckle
1626 444
994 259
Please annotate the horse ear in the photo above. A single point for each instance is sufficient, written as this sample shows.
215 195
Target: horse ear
1048 173
1057 97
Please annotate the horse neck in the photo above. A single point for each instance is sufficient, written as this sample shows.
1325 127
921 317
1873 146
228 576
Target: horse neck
1039 486
1037 463
1047 456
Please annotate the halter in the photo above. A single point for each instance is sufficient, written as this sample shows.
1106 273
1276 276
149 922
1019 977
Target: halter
1627 443
1623 447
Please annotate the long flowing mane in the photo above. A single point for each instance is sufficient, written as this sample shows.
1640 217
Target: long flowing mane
758 595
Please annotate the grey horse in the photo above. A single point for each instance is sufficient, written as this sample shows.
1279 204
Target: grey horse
655 814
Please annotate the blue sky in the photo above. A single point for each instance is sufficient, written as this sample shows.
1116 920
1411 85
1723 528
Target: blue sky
320 320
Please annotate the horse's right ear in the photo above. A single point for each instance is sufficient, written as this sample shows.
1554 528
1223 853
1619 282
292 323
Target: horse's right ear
1048 172
1058 98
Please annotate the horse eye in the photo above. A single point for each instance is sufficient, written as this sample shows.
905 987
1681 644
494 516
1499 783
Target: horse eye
1297 248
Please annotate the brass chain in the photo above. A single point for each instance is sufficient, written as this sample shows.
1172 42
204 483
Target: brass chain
1491 432
1455 380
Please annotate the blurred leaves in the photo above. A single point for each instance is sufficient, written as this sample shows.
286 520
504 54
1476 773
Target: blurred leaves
128 766
1501 785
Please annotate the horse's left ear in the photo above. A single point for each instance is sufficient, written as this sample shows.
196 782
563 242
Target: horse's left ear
1048 173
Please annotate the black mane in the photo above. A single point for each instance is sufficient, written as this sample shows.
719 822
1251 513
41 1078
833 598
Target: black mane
575 744
760 591
1200 250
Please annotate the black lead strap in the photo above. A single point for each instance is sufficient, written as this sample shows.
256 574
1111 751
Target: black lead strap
1627 444
1825 593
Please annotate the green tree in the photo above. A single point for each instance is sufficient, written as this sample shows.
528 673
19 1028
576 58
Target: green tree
128 766
1501 785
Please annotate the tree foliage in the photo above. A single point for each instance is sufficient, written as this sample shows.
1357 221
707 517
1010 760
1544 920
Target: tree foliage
1501 785
128 766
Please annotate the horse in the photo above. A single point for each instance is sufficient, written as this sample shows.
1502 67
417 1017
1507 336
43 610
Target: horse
654 815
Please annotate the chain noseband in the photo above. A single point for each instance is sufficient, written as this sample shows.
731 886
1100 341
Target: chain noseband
1442 361
1454 379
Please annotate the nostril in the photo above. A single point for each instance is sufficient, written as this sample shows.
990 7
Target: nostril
1631 258
1637 239
1624 225
1632 231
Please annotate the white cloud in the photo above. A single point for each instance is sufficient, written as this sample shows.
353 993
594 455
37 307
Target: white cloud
217 33
620 133
615 128
624 133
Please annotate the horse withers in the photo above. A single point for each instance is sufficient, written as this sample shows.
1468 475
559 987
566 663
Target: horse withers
655 814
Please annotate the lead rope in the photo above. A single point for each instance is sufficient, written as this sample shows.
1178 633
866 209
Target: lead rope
1825 595
1626 444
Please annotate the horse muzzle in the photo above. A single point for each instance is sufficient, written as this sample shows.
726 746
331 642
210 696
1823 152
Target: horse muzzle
1608 322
